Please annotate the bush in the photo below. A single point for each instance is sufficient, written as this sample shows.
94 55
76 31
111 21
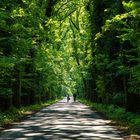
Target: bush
118 114
135 124
14 114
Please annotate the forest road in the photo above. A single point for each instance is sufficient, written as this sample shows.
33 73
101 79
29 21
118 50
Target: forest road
63 121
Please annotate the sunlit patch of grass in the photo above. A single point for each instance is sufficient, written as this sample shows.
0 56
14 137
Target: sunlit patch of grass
14 114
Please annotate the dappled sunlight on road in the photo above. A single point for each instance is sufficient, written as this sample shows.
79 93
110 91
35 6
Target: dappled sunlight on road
63 121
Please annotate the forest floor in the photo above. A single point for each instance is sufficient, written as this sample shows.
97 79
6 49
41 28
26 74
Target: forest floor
63 121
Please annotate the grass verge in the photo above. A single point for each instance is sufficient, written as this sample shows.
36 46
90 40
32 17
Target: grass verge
15 114
128 121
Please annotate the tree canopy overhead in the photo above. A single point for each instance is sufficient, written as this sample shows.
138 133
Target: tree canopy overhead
50 48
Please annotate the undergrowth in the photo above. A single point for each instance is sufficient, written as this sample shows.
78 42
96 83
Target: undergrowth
15 114
125 119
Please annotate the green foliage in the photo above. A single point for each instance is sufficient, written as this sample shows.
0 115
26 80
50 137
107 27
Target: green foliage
50 48
123 118
30 65
14 114
5 92
134 81
115 53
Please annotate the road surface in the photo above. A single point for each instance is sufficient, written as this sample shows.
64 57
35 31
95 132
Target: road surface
63 121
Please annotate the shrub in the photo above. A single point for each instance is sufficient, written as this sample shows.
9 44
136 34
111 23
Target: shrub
118 114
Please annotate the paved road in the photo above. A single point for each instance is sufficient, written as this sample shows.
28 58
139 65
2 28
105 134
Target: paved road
63 121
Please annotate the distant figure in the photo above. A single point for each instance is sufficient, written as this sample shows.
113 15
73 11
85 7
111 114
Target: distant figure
74 97
68 98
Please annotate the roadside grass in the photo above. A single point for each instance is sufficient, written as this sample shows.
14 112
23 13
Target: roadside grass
15 114
127 121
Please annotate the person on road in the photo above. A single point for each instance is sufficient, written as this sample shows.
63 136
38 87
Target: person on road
74 97
68 98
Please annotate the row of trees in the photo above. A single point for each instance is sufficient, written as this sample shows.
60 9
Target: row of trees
115 43
27 57
53 47
104 41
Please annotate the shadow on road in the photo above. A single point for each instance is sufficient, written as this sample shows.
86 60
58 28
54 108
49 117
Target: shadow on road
63 121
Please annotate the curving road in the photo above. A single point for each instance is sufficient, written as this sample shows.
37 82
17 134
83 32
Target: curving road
63 121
